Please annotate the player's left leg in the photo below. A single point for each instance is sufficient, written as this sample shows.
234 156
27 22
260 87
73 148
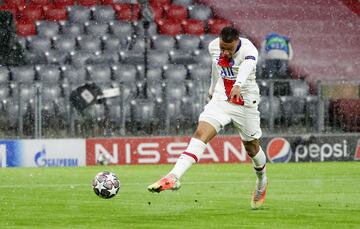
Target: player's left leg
258 158
247 122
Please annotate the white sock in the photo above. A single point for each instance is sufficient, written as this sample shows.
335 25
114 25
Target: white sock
191 155
259 162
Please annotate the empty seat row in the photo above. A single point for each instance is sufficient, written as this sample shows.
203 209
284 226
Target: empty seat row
70 43
155 58
296 88
75 13
58 2
122 28
181 11
197 27
289 109
119 28
53 74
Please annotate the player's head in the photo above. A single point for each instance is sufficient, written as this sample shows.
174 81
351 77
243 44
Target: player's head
229 40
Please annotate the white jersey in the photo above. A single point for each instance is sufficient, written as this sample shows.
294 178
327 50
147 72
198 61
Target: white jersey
241 73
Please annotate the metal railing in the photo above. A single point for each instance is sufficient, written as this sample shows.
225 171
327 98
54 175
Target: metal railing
31 117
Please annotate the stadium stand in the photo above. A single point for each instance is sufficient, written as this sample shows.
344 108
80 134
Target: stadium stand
57 57
312 28
47 28
70 42
163 42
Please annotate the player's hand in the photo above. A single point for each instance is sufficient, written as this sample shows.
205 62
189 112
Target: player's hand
235 94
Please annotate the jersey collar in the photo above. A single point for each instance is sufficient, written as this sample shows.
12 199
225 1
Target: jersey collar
238 47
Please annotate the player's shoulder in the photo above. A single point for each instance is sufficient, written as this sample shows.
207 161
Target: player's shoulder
246 42
247 47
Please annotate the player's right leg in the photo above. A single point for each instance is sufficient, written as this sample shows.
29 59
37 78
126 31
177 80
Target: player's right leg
197 145
169 182
211 121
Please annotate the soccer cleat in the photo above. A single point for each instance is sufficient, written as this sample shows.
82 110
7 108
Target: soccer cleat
169 182
258 197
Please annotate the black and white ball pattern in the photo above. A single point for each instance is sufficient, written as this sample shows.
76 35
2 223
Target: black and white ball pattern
106 184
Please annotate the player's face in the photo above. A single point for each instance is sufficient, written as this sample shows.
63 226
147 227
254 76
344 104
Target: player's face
228 49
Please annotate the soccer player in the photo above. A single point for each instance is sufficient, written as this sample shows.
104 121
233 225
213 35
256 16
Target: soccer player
234 96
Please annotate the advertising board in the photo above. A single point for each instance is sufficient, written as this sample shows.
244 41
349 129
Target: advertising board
42 153
160 150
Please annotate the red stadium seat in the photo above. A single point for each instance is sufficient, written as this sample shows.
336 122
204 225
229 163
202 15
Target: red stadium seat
59 3
216 25
106 2
127 12
25 28
158 13
87 2
194 27
170 27
160 3
31 13
55 13
177 12
15 2
40 2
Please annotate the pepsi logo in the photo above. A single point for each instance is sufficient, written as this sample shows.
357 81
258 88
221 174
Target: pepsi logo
278 150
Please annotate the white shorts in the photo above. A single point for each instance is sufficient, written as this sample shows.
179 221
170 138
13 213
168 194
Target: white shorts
246 119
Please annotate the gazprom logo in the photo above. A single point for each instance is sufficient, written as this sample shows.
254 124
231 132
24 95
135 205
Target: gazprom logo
42 160
278 150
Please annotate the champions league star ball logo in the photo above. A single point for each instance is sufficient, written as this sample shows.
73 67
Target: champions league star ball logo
278 150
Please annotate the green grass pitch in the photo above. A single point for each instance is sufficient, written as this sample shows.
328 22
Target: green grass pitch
303 195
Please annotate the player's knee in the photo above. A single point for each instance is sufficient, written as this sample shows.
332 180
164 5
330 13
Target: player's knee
201 135
204 132
252 147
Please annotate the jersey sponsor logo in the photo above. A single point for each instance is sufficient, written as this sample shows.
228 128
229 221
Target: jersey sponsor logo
357 151
278 150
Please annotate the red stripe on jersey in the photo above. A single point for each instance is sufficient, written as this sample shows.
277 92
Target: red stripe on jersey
228 84
191 155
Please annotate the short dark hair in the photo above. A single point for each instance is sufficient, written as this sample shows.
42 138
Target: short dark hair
229 34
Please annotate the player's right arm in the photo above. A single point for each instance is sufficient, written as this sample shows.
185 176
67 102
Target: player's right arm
214 72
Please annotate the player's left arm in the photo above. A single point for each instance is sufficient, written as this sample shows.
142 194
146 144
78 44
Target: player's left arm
246 67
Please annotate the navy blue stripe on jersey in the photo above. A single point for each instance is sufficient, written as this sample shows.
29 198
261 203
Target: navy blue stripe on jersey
250 58
227 72
231 71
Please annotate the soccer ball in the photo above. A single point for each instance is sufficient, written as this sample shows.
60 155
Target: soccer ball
106 184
